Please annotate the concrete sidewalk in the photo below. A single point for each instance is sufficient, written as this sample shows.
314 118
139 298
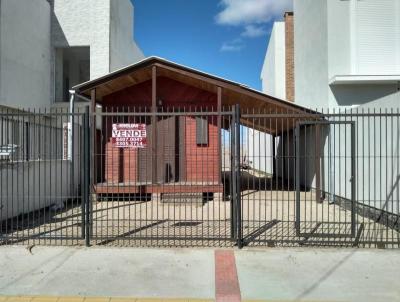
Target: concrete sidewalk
268 274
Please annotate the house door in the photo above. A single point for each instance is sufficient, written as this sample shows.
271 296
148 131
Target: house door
325 180
167 151
167 160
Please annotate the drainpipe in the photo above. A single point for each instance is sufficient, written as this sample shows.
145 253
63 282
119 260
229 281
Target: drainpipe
70 154
70 125
73 96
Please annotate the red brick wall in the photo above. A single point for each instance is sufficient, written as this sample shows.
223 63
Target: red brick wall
202 162
289 53
112 163
129 169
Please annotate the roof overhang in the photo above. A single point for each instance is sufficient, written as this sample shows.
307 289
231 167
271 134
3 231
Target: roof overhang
232 93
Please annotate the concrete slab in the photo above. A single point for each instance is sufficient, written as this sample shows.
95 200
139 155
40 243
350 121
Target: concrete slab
93 299
61 271
274 274
319 274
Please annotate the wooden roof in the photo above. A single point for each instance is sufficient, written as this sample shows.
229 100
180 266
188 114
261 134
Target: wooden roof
232 93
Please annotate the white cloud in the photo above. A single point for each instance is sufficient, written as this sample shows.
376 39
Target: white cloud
234 45
253 31
238 12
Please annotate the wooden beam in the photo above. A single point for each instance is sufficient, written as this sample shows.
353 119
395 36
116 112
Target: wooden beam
238 89
154 88
154 124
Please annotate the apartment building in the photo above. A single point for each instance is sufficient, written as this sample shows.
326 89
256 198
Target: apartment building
48 46
346 54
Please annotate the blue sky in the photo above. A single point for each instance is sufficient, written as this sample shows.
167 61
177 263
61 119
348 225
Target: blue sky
227 38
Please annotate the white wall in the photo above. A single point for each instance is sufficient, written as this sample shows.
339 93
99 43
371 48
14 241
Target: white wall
45 179
273 74
33 185
25 53
75 24
345 38
363 39
311 53
334 37
31 31
123 49
273 78
343 96
260 150
338 39
376 42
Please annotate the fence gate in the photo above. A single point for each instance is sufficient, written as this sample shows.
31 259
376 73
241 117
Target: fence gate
328 179
162 178
328 148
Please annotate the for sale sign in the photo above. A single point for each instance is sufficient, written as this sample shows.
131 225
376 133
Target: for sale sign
129 135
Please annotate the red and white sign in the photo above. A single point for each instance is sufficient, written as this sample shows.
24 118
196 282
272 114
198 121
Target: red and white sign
129 135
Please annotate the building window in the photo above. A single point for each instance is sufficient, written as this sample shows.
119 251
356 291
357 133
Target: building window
201 131
72 67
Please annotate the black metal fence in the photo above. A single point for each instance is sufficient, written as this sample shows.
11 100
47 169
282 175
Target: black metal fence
41 177
165 185
200 177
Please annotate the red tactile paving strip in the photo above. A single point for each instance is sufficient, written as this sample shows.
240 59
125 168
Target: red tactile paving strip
226 279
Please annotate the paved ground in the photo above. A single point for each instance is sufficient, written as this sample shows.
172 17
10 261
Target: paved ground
263 274
150 223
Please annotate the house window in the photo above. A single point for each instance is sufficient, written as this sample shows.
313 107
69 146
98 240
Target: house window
201 131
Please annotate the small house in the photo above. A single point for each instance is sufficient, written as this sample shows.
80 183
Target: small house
179 115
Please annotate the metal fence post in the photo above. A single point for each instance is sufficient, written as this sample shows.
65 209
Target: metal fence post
297 178
237 178
353 180
232 184
82 162
86 178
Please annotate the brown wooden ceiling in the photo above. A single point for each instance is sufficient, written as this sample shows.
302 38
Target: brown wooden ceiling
232 93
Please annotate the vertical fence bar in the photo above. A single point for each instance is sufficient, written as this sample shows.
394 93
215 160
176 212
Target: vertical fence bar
297 178
86 172
233 175
353 179
82 150
237 178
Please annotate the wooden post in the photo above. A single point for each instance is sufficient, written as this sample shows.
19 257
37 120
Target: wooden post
219 146
154 123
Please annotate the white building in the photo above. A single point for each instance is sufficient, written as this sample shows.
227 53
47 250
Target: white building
346 53
46 47
273 71
273 79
